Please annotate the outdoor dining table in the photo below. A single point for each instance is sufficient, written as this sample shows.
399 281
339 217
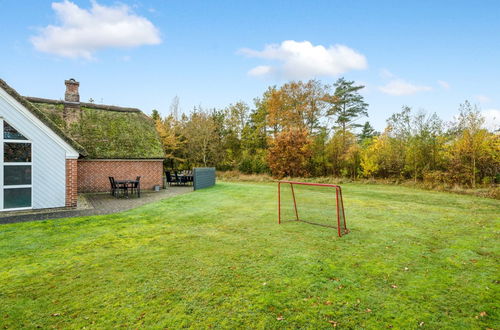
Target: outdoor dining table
183 178
125 184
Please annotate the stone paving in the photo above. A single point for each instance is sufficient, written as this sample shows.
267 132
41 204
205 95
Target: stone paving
94 204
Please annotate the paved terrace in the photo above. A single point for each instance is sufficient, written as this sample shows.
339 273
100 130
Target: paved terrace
94 204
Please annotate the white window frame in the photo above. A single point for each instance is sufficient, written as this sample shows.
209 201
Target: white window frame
3 163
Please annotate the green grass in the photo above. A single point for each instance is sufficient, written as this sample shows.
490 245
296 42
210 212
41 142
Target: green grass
217 258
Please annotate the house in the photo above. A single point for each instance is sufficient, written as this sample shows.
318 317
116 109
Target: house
54 149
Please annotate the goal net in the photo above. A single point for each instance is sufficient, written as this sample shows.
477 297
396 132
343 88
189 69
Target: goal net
314 203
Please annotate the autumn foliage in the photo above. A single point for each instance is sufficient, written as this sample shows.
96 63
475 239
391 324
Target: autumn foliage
289 153
314 129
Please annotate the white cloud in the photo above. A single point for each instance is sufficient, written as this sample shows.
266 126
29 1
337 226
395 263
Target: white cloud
492 119
384 73
260 70
483 98
303 60
444 84
402 87
82 32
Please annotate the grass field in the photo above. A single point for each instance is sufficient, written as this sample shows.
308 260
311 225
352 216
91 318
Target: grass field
217 258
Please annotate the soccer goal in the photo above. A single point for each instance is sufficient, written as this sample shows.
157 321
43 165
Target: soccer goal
314 203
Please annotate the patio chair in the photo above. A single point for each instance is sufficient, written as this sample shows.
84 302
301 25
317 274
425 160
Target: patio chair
136 186
182 178
189 177
177 178
170 179
114 187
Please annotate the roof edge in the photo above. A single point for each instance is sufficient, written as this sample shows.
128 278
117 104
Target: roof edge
83 104
123 159
42 117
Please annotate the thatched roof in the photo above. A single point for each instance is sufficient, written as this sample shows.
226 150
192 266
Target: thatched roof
40 115
105 131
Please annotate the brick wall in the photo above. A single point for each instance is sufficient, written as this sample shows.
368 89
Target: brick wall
71 182
93 174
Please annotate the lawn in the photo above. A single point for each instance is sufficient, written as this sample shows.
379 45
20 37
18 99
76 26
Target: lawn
218 258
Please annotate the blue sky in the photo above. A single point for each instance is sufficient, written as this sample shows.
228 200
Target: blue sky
430 55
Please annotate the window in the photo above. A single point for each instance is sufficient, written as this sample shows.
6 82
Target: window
17 152
10 133
17 198
16 169
17 175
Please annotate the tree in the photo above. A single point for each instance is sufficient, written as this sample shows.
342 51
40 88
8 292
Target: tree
474 148
174 108
171 141
318 163
254 140
305 103
382 157
288 131
237 117
369 160
201 138
424 146
346 105
343 153
367 132
295 104
398 133
289 153
155 115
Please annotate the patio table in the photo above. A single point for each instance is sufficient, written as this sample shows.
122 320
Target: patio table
125 184
183 178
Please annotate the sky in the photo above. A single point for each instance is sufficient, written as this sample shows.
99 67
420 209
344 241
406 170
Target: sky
429 55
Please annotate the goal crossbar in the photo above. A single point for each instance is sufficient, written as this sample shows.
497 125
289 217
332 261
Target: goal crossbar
341 222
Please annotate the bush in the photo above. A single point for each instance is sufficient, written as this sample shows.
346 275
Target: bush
246 165
435 178
253 163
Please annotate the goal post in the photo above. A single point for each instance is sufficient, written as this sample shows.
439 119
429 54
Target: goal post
315 203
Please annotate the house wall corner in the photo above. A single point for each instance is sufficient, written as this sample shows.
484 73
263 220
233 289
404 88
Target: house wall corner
71 182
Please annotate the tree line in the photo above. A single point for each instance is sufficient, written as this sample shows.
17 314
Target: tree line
304 129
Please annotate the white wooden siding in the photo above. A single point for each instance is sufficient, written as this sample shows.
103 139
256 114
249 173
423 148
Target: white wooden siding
48 156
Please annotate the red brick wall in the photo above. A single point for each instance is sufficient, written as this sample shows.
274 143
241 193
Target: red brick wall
93 174
71 182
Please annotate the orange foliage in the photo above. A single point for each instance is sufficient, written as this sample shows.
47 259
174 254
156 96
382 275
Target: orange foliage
289 153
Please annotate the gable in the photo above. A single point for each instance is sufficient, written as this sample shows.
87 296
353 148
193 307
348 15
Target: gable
31 126
14 105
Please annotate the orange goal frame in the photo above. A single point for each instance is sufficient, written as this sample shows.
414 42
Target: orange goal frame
338 198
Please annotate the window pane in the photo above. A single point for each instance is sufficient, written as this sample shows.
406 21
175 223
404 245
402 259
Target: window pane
10 133
17 152
18 197
18 174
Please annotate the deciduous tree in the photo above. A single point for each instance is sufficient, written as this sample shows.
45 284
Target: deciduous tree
201 138
289 153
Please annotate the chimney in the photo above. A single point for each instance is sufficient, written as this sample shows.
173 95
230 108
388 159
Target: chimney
72 110
71 94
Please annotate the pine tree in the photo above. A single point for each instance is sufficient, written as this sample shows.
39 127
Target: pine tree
346 105
155 115
367 132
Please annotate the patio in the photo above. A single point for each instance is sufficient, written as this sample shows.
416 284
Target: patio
94 204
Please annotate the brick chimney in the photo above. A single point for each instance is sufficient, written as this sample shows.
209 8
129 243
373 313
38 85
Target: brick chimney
72 110
72 94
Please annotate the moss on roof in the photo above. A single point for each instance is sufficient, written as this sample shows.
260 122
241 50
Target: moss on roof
40 115
107 131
